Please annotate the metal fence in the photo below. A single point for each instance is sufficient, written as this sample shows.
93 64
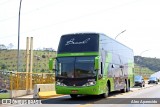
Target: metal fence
24 81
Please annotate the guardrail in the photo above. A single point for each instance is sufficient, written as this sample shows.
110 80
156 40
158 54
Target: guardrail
22 80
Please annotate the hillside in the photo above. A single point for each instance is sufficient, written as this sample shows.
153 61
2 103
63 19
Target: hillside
8 60
146 66
151 63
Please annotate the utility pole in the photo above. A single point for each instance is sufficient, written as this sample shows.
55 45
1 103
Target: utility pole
29 63
18 52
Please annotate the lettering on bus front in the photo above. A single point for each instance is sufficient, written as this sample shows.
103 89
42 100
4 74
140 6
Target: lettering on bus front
72 42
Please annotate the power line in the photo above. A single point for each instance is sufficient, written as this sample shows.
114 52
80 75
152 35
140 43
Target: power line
31 11
5 2
73 19
49 5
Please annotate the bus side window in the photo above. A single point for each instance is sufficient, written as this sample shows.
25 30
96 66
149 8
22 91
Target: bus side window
101 68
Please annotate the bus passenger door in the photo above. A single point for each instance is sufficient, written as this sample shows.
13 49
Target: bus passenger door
102 79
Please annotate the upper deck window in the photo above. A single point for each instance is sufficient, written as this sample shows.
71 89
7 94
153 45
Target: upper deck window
84 42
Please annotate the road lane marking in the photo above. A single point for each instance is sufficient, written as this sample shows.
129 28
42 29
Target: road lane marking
85 105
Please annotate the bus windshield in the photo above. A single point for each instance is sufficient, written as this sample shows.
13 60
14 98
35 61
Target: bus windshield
75 67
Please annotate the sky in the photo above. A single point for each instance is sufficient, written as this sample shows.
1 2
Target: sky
47 20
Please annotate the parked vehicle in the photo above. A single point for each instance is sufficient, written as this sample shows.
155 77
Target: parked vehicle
139 81
3 91
153 80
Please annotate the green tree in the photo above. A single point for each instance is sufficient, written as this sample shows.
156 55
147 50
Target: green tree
3 66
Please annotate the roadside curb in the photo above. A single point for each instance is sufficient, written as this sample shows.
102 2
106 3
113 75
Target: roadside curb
148 87
51 96
48 94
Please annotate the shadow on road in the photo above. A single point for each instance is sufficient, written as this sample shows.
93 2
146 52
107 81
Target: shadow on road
81 99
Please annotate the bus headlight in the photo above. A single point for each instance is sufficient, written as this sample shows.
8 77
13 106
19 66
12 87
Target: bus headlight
90 83
60 84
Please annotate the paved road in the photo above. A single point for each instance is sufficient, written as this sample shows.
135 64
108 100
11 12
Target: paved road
150 91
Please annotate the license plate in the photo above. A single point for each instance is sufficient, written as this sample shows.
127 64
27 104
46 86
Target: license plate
74 91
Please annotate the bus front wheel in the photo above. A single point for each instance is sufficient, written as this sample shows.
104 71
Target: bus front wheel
104 95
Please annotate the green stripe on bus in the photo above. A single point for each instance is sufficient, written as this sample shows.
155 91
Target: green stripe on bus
78 54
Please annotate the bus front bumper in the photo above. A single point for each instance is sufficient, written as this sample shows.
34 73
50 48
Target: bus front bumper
87 90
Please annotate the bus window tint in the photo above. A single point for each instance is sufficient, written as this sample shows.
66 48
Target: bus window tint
65 67
82 70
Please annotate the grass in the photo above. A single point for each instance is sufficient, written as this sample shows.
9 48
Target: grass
8 60
4 95
144 71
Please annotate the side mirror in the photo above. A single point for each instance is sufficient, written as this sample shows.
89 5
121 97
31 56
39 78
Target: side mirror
51 63
96 63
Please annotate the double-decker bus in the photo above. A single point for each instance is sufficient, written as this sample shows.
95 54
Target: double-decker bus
92 64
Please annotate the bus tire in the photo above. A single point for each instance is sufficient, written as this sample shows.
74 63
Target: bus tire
129 89
105 95
128 86
124 90
73 95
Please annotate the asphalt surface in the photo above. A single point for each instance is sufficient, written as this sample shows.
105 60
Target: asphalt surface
114 98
